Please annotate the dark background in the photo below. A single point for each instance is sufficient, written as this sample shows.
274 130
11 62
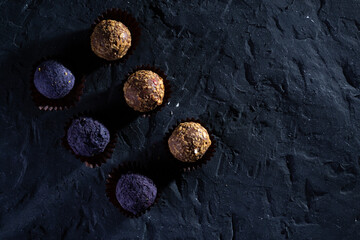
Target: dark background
277 82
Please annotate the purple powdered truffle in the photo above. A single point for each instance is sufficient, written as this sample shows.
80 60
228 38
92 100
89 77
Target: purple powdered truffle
87 137
53 80
135 192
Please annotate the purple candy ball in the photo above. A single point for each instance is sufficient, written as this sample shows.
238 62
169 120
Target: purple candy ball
53 80
135 192
87 137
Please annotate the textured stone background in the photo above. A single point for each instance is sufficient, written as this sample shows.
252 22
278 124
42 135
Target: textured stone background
278 83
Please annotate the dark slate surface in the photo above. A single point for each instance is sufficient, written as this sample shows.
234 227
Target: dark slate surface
277 82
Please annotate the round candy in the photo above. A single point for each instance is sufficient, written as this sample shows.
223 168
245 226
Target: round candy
53 80
144 90
87 137
189 142
135 192
110 40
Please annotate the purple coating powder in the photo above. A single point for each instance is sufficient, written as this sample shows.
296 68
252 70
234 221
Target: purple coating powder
135 192
87 137
53 80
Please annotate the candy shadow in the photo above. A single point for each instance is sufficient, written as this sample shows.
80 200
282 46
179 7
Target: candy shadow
72 49
157 160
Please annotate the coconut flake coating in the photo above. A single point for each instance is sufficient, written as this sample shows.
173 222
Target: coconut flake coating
87 137
53 80
135 192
